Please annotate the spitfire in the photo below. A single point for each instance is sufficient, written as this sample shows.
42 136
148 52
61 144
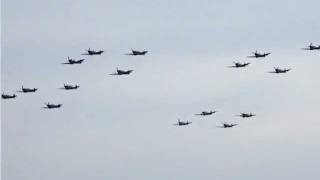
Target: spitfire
28 90
312 47
70 87
206 113
278 70
246 115
137 53
258 55
226 125
52 106
73 61
122 72
7 96
93 52
238 64
181 123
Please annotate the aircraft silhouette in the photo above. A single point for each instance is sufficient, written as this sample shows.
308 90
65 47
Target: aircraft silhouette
73 61
258 55
312 47
93 52
28 90
137 53
70 87
7 96
238 64
122 72
52 106
206 113
181 123
226 125
246 115
278 70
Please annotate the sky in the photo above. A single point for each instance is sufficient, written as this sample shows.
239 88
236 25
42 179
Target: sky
121 128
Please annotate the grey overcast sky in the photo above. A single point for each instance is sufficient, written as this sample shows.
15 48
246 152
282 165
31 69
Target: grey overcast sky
120 128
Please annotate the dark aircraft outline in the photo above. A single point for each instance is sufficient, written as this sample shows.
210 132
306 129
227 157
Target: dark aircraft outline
277 70
206 113
7 96
227 125
73 61
137 53
28 90
182 123
259 55
52 106
122 72
70 87
312 47
93 52
246 115
239 65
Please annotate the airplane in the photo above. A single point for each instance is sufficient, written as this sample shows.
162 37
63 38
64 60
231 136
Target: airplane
7 96
246 115
27 90
312 47
137 53
238 65
258 55
52 106
226 125
122 72
181 123
93 52
205 113
278 70
73 61
69 87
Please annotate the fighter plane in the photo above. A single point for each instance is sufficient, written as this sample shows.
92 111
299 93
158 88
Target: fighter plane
238 64
137 53
7 96
278 70
93 52
181 123
226 125
246 115
258 55
206 113
122 72
312 47
69 87
27 90
52 106
73 61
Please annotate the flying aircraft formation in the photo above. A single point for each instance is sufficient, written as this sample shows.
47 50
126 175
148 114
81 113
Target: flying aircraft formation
119 72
